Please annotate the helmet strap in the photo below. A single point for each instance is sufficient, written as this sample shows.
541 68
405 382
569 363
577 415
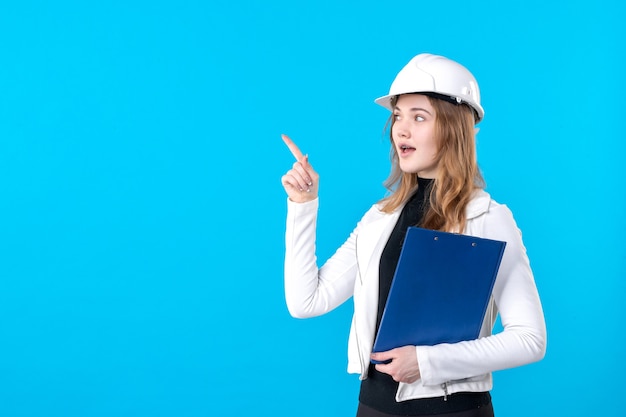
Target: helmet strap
449 99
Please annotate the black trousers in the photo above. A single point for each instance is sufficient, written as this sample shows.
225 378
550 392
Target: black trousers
485 411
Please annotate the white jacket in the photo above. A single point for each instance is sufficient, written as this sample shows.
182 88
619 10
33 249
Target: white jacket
353 272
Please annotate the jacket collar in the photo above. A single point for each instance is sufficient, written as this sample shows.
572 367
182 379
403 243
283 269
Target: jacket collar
478 205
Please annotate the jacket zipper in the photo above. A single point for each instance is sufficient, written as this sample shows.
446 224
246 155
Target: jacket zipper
445 391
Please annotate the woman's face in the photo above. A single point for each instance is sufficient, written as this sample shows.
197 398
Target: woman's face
413 133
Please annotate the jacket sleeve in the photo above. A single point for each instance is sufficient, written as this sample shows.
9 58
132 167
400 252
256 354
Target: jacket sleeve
523 339
311 291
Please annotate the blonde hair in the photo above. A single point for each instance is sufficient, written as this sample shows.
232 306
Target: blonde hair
458 175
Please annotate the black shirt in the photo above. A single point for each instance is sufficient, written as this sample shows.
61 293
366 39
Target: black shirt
378 391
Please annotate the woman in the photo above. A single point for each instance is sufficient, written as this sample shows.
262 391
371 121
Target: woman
434 183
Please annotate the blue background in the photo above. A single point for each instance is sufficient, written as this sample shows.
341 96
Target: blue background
142 216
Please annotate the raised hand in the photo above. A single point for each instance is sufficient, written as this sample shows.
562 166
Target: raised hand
301 182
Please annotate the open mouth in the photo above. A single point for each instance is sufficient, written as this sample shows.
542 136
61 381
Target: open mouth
405 149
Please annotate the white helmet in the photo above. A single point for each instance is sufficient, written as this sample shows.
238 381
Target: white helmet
441 76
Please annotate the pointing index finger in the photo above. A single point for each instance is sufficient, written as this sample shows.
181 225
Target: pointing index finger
295 151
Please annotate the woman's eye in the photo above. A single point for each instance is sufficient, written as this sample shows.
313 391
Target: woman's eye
419 119
396 117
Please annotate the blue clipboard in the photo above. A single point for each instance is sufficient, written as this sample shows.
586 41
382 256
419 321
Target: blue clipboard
440 290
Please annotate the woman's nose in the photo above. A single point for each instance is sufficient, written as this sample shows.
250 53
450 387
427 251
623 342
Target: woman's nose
401 130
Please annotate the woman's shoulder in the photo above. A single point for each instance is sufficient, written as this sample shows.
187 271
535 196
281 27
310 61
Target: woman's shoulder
479 204
376 212
483 204
490 216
